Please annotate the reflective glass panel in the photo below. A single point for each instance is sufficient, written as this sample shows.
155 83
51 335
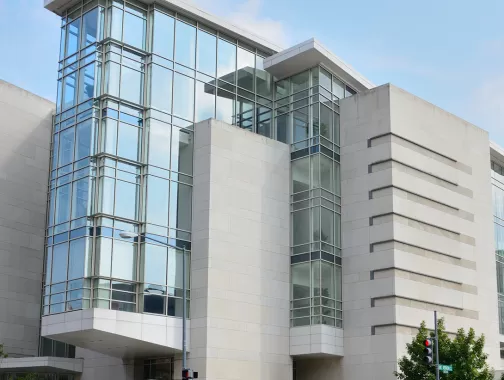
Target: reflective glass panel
264 80
107 195
326 173
245 113
131 85
124 260
300 227
134 30
301 124
181 151
128 141
109 135
226 61
161 88
225 106
246 63
66 146
80 198
263 120
300 279
326 122
72 38
325 79
155 261
90 27
327 225
116 23
62 204
338 88
328 286
157 201
84 138
300 174
283 128
175 258
180 206
112 78
126 200
70 90
163 35
205 101
207 53
300 81
315 278
59 267
185 44
104 256
183 101
86 82
77 258
159 143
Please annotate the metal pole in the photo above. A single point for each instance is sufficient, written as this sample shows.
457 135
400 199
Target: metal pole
184 311
437 345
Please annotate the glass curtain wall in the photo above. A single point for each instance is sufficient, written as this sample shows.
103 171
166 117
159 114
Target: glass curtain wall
498 209
307 117
133 79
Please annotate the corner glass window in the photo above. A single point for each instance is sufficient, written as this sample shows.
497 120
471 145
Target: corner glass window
84 138
283 128
207 53
131 85
246 69
159 144
225 106
128 141
301 124
155 263
183 101
66 146
264 80
134 27
157 200
86 82
325 79
301 175
73 37
62 204
90 27
161 88
70 90
300 81
300 279
59 268
205 101
124 260
301 227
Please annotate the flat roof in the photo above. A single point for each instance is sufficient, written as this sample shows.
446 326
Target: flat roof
193 12
309 54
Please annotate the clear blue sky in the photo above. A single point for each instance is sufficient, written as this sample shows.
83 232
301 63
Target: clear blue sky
449 52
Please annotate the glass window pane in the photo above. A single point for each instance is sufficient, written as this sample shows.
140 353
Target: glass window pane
264 80
107 195
338 88
326 122
301 174
301 124
69 90
86 82
161 88
84 138
90 27
325 79
66 146
226 64
163 35
72 38
62 43
326 173
159 143
128 141
109 136
263 120
124 260
126 200
315 266
283 128
337 282
300 81
282 88
48 267
62 204
51 208
207 53
246 64
175 264
112 77
134 30
328 287
80 198
155 304
301 227
77 259
225 106
185 44
245 113
337 230
116 16
157 201
155 262
180 206
337 179
315 212
315 170
183 101
59 267
205 101
336 132
104 256
182 149
59 91
300 279
131 85
327 225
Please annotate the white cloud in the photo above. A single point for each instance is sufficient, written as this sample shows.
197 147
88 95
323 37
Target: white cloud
247 15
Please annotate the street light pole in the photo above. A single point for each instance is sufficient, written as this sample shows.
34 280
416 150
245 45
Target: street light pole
131 235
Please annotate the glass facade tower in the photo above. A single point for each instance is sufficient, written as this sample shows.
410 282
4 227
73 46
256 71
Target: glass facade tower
133 80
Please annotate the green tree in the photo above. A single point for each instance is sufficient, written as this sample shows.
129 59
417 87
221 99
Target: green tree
2 352
464 352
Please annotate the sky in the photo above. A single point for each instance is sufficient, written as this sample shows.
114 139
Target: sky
448 52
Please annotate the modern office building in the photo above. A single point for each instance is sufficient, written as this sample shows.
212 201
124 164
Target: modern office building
321 218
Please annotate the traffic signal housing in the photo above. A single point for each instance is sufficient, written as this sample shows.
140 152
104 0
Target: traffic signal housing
428 351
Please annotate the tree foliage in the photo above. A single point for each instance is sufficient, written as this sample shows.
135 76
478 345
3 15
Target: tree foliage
2 352
464 352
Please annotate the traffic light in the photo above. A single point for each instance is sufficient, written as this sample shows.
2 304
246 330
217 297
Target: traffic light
186 374
428 351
